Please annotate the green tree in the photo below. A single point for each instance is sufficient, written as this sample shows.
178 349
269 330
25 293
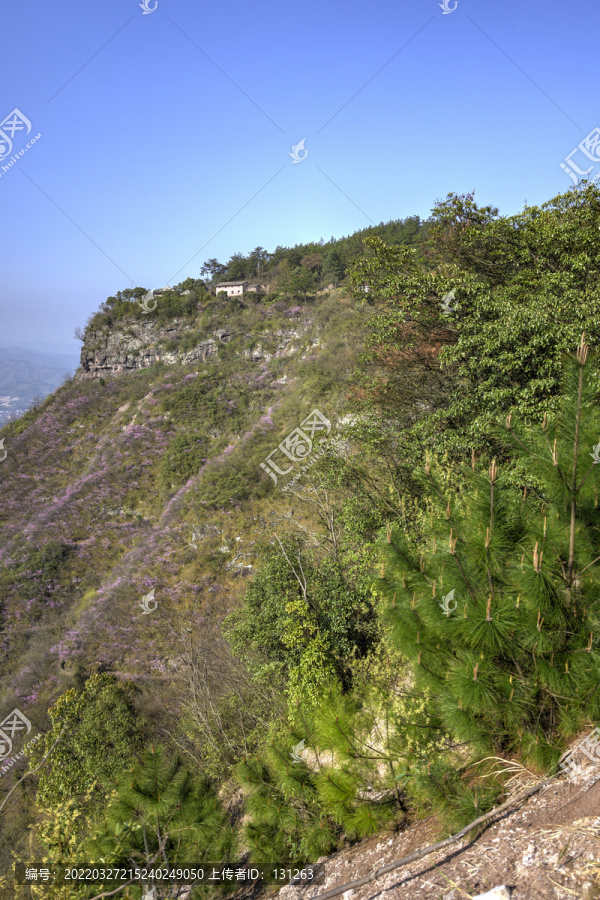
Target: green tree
215 269
312 261
238 268
522 289
511 654
195 285
341 766
297 282
258 261
58 838
333 266
286 820
100 734
161 810
302 619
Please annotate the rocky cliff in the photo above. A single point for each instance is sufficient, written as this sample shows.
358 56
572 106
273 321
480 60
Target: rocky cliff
137 345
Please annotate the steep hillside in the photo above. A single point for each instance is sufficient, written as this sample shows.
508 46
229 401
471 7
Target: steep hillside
225 541
546 847
105 486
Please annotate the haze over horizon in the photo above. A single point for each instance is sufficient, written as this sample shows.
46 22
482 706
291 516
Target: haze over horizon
166 136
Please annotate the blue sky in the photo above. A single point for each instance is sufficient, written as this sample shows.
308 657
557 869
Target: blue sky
165 136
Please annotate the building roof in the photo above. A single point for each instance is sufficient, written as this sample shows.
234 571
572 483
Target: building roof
230 283
161 290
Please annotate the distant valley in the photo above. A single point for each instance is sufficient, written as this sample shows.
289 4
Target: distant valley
29 374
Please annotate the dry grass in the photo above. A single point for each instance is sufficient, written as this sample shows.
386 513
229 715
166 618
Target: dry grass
588 874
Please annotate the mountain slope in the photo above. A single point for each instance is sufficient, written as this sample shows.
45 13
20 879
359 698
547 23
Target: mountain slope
546 847
105 485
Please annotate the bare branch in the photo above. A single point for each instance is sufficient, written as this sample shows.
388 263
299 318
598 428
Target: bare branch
301 581
33 771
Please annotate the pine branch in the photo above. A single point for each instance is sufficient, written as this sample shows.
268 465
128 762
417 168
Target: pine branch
354 748
585 477
133 880
465 579
591 564
581 357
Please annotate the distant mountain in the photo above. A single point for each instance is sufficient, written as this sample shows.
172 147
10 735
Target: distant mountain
27 374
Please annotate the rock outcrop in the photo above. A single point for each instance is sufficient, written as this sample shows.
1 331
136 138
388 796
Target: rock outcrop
135 345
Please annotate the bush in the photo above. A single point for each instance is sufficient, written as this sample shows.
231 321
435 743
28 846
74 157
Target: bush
100 733
182 459
304 618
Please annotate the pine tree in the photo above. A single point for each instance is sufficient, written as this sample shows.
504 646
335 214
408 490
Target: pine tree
340 767
286 820
498 614
162 814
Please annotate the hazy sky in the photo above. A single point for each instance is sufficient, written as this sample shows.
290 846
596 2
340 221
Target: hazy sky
165 136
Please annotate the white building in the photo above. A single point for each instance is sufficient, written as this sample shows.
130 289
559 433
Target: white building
232 288
158 291
236 288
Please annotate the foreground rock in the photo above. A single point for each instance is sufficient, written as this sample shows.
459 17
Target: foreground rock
498 893
546 849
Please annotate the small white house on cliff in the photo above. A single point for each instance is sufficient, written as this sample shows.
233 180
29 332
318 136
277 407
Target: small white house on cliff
236 288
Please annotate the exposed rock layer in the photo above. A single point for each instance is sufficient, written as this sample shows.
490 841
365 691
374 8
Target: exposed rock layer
139 344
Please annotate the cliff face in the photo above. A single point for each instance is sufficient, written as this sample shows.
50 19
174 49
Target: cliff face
139 344
111 351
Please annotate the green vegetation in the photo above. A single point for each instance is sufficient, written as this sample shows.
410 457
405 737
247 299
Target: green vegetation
339 658
292 273
526 287
159 812
306 266
99 732
362 748
515 667
158 815
127 305
304 619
